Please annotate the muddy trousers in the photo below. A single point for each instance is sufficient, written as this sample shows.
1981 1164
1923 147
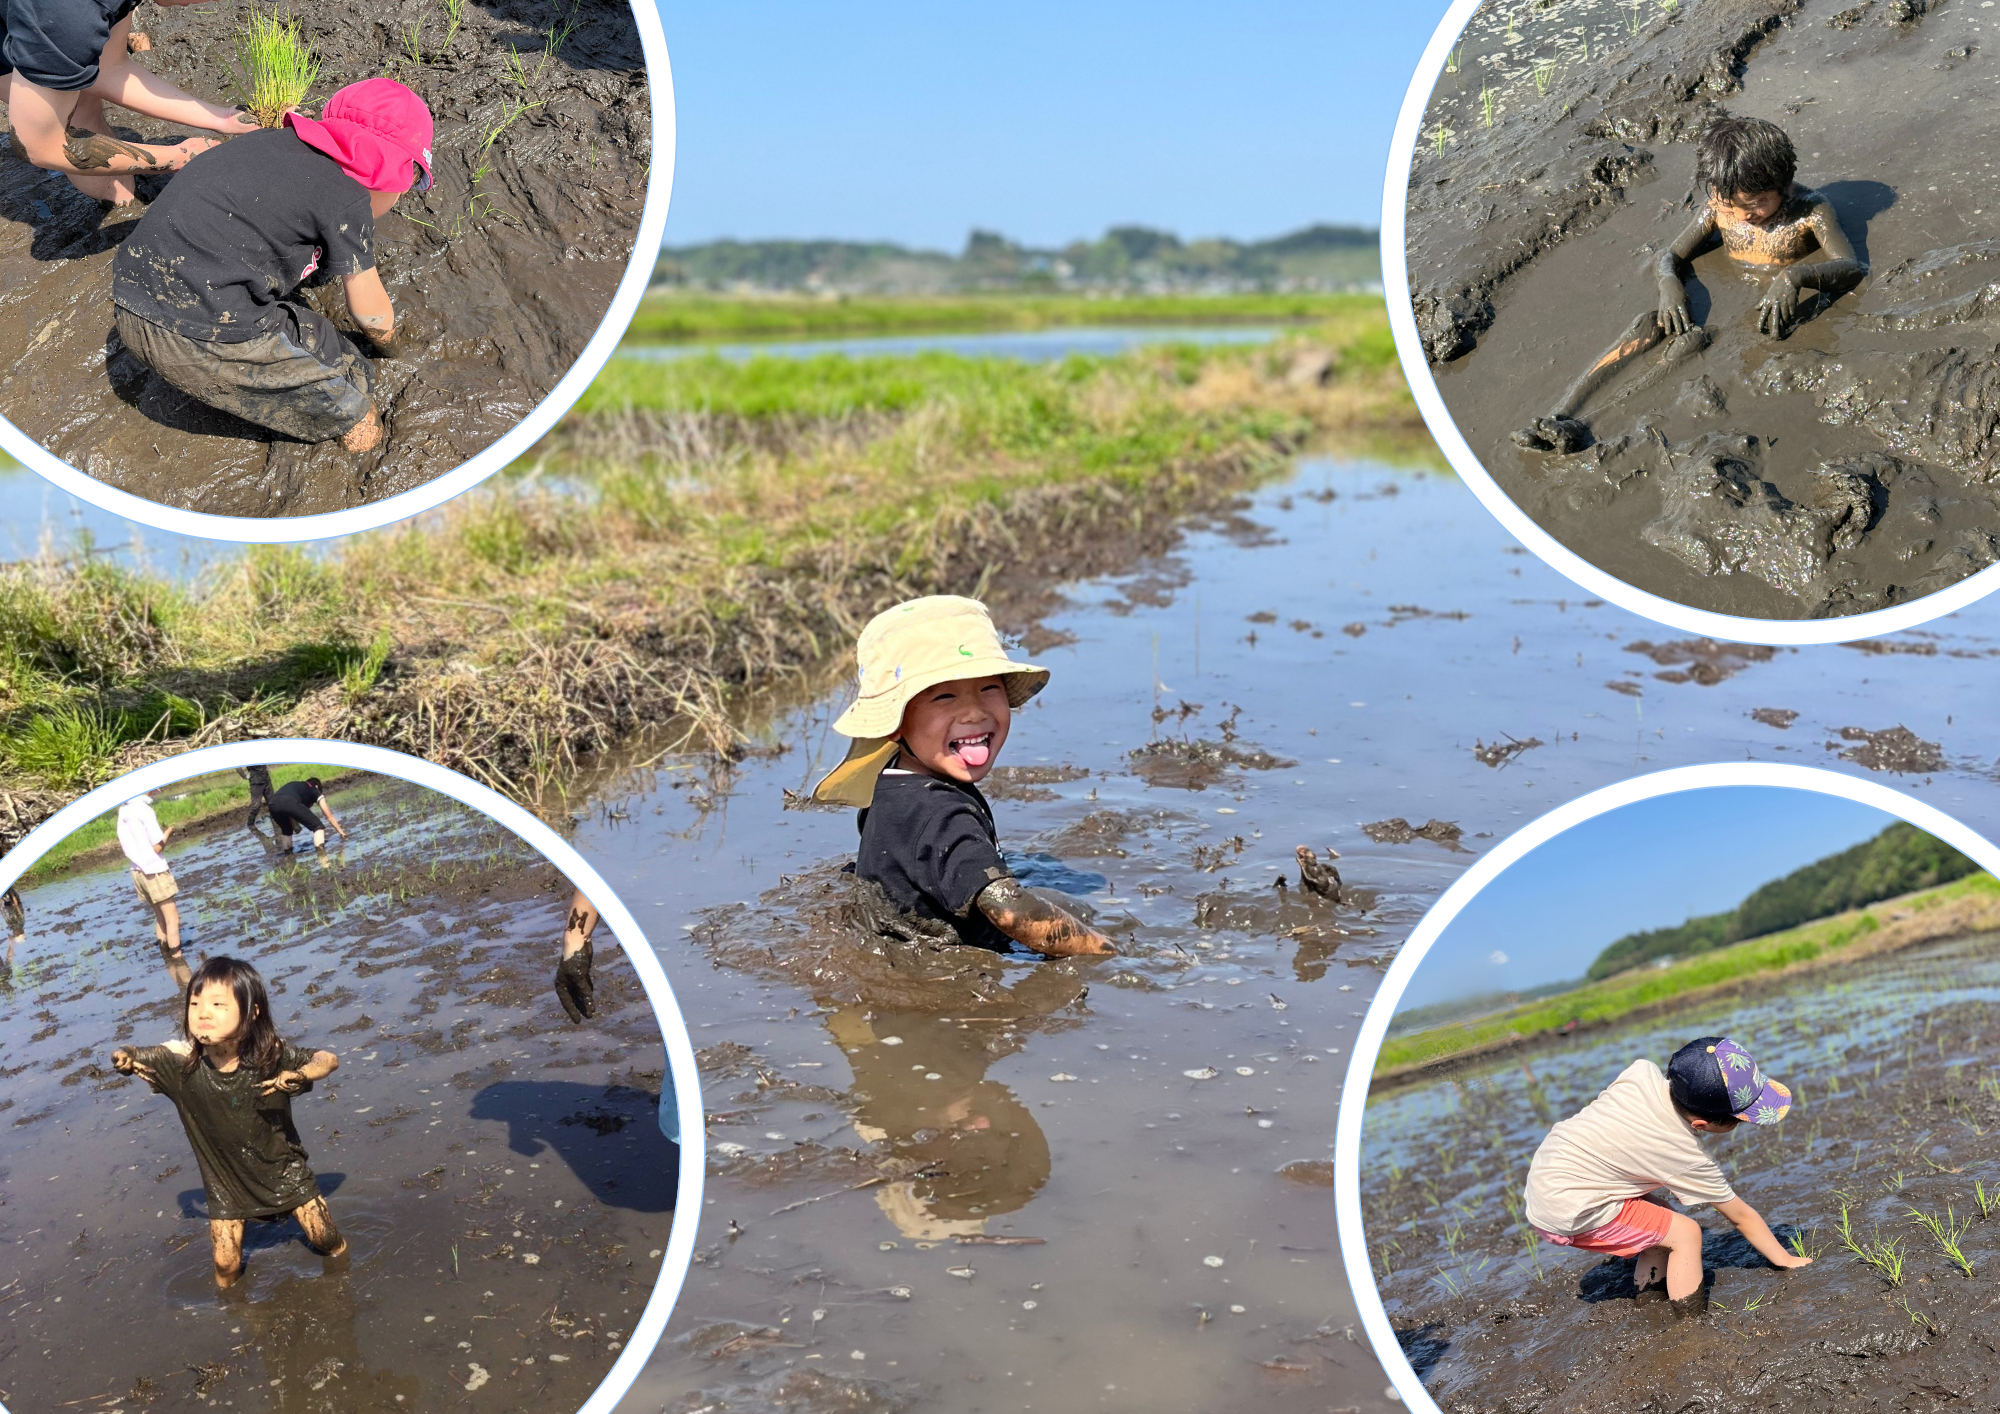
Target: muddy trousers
305 379
260 799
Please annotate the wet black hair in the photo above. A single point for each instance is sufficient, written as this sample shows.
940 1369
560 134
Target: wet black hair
258 1037
1742 156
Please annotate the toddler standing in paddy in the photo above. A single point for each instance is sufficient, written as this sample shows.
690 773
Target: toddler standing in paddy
1594 1180
232 1079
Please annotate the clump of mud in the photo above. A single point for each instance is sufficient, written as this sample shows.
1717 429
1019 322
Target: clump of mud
1892 749
1702 660
500 274
1846 467
1400 831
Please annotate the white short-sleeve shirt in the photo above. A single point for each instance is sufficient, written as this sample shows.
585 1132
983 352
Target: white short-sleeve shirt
140 835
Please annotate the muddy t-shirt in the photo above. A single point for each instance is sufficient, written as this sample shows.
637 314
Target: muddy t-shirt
931 845
235 231
1624 1144
56 43
296 798
251 1160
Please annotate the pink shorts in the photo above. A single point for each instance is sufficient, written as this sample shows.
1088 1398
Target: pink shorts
1640 1224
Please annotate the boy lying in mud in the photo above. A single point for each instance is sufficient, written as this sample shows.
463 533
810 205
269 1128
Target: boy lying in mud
232 1079
1758 213
1592 1184
938 692
205 288
61 61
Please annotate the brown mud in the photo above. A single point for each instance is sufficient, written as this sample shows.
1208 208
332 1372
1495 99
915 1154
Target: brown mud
499 1174
1845 468
1897 1114
500 273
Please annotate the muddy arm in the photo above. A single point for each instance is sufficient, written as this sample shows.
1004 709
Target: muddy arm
291 1082
575 988
125 83
1673 269
1758 1234
1036 923
40 118
1778 310
368 300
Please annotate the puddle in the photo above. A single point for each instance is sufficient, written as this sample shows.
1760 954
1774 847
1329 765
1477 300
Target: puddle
1845 468
1028 345
1149 1171
499 1174
1897 1108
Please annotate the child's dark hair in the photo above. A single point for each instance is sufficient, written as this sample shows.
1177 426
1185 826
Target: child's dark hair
259 1048
312 784
1742 156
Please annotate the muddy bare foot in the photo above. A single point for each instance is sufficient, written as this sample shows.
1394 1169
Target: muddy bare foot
138 42
1562 435
364 436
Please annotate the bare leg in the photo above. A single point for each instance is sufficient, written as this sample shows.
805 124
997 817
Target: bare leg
1683 1246
167 930
1561 431
1649 1274
227 1240
89 116
321 1235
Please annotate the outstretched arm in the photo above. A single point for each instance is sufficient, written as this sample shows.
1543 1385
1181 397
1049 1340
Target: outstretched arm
1034 922
1674 267
40 117
1758 1234
332 819
575 988
1838 270
290 1082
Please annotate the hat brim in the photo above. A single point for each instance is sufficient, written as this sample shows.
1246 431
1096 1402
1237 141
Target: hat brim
1769 1107
852 782
882 714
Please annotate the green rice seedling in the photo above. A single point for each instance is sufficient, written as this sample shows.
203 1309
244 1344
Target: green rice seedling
1451 61
413 41
1805 1243
1987 1201
558 36
454 13
1440 135
1947 1232
1633 12
1452 1282
1669 7
1510 24
1917 1317
1545 74
1486 103
1887 1257
275 67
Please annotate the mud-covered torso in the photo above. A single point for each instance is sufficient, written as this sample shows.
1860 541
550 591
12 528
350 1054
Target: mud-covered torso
252 1162
931 846
1790 236
237 230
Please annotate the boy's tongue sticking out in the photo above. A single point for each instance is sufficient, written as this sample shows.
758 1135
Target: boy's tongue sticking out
974 751
956 729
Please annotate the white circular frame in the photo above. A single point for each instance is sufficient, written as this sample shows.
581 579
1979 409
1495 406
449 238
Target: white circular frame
1430 403
271 530
1375 1025
673 1029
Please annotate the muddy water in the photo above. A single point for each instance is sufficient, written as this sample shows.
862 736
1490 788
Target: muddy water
1897 1102
1320 613
499 1174
500 273
1842 469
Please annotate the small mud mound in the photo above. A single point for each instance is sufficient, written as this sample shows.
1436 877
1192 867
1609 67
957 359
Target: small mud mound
1029 783
1181 764
1779 717
1702 660
795 1391
1400 831
500 273
1894 749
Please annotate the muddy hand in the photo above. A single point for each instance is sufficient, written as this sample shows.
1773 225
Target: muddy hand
1779 309
574 987
1673 313
238 123
189 149
1787 1260
124 1062
287 1082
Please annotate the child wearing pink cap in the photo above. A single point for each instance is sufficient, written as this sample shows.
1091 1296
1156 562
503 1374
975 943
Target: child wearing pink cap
205 290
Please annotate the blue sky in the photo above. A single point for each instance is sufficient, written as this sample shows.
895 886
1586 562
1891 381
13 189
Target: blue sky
1648 865
915 123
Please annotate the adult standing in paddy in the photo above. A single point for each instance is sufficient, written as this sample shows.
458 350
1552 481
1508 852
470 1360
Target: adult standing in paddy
140 836
206 288
61 61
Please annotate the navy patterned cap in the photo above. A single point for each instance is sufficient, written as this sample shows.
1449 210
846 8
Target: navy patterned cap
1712 1077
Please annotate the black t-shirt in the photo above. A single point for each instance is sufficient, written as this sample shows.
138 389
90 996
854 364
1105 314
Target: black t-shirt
252 1163
296 797
56 44
931 846
235 231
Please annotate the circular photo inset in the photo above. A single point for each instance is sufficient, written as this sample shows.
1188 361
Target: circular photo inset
324 1090
273 265
1675 1066
1699 315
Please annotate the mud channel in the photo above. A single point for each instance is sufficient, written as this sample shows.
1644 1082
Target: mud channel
500 273
859 1273
1846 467
1898 1103
499 1174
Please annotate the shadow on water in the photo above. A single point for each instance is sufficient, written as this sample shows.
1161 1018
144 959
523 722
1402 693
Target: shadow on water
608 1136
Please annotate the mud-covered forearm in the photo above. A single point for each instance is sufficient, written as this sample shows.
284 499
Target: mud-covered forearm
322 1064
95 152
1834 274
1034 922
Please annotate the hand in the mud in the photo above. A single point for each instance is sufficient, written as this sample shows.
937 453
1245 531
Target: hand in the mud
285 1082
1562 435
574 987
1779 309
1787 1260
1674 315
238 123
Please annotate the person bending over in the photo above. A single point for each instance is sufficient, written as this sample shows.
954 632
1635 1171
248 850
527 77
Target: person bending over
292 811
205 289
937 696
1756 211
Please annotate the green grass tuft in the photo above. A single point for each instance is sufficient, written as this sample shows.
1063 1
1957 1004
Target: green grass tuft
275 67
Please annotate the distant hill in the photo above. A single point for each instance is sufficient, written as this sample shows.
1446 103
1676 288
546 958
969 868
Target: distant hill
1124 258
1461 1009
1900 860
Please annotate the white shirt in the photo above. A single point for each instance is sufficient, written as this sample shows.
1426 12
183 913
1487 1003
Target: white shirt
1624 1144
140 835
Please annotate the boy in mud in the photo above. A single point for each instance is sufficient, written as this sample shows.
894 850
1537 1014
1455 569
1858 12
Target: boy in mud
61 61
204 289
1758 213
232 1080
1592 1184
938 692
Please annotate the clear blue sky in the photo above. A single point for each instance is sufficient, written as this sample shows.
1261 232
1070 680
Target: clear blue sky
1648 865
915 123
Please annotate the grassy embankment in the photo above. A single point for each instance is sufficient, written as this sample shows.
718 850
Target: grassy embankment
193 802
1967 905
695 528
667 315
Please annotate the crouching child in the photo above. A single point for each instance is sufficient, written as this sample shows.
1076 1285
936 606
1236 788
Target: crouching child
1594 1181
205 288
938 693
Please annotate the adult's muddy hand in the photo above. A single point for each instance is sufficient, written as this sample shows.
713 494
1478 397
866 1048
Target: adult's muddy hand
1778 311
574 987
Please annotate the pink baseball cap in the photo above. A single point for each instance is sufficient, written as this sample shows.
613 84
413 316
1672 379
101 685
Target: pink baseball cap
377 130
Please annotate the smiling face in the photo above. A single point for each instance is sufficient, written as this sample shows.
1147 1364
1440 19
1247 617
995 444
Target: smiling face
956 729
1748 208
214 1018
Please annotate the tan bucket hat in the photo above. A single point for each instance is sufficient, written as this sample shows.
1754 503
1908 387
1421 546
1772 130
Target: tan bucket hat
916 645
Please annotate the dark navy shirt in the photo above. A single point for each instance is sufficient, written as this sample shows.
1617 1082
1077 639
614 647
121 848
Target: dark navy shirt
931 846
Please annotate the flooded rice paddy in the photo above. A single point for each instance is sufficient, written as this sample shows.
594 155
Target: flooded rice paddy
1897 1116
1028 345
499 1174
1138 1117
